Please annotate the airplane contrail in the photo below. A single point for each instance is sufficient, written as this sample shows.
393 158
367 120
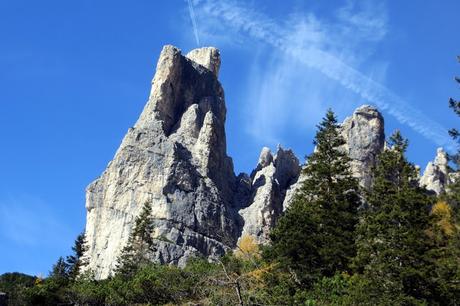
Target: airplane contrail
262 28
193 18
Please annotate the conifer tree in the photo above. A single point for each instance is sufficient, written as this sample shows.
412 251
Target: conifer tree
140 243
75 262
392 240
445 253
60 269
315 236
455 106
445 229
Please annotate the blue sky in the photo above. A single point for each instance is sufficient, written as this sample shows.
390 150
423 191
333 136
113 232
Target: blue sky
75 75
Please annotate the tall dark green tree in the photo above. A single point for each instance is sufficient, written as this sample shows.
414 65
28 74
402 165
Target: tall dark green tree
60 269
76 261
454 188
140 244
392 236
445 253
315 236
445 232
455 106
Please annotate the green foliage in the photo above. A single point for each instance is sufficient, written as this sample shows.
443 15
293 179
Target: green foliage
50 291
445 230
445 253
455 106
315 237
140 244
14 285
454 187
87 291
54 290
60 270
392 240
75 261
403 250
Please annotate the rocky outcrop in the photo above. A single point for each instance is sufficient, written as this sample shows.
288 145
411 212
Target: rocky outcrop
268 185
436 175
174 157
364 139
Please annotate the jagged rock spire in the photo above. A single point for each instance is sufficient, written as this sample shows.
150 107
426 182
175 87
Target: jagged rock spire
436 174
269 183
174 157
365 139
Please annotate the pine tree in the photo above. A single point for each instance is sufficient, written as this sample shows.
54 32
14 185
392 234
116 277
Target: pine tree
140 244
315 236
455 106
76 261
60 269
445 229
392 240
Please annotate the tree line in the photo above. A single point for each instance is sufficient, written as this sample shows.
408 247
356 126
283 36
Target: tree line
336 244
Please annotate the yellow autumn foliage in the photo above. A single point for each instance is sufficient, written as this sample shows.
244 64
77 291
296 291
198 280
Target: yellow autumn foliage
443 214
247 247
260 272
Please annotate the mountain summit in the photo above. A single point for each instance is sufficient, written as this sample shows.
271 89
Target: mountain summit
175 158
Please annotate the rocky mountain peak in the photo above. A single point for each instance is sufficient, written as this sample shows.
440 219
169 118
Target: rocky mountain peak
208 57
436 175
269 182
175 158
265 158
365 138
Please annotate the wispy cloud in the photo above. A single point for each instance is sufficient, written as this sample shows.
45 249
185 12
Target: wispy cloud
338 49
193 18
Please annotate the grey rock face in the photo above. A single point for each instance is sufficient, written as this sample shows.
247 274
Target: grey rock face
269 183
365 138
208 57
174 157
436 175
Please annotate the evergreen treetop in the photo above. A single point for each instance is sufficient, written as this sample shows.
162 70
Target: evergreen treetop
76 261
140 243
392 241
315 236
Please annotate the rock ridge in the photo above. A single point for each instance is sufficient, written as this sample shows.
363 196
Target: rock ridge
175 157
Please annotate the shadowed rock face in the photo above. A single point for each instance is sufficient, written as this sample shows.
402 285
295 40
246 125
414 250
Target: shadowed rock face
174 157
268 185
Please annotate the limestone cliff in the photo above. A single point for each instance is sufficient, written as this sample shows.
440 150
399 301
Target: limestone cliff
364 139
174 157
436 175
268 185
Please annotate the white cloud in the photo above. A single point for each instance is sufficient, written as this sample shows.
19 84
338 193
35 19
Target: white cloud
304 50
